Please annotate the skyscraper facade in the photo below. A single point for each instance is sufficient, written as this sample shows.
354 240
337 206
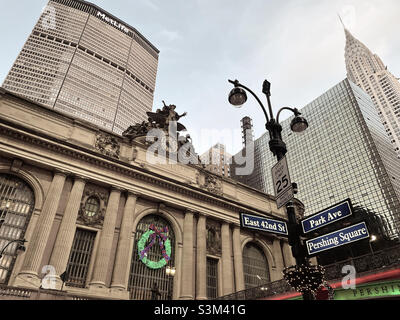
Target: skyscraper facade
345 153
85 62
368 71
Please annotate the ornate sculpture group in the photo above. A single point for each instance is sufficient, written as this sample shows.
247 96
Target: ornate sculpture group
165 119
161 119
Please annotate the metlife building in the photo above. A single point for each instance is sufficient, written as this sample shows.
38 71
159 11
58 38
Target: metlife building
344 154
84 62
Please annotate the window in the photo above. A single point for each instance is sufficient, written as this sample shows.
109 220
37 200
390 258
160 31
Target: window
16 206
142 278
212 278
255 266
79 259
92 207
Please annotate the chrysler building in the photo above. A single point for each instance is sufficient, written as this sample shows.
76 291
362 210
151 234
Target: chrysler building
368 71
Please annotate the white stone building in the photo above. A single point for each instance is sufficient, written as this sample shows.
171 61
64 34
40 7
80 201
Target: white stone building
368 71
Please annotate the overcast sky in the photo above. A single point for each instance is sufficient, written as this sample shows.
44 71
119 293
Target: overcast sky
298 45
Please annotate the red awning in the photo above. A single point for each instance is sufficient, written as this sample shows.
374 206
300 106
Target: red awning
323 294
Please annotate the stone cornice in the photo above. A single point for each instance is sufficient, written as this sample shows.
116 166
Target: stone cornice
66 148
61 172
133 194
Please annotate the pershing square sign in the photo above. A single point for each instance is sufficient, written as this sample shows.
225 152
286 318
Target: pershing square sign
337 238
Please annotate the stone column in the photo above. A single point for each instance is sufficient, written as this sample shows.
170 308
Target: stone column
103 254
187 259
65 236
227 269
278 257
37 245
122 261
201 259
287 255
238 259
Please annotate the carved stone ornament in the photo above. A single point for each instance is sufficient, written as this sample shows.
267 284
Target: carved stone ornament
213 238
211 183
107 145
93 207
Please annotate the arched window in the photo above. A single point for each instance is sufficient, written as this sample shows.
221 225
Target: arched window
16 206
142 278
255 266
92 207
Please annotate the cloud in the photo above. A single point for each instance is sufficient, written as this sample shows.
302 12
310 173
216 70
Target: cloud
298 45
150 4
170 35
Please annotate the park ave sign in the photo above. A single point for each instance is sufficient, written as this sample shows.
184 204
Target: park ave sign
327 216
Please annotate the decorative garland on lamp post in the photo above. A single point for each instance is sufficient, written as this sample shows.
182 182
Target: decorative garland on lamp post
155 234
305 278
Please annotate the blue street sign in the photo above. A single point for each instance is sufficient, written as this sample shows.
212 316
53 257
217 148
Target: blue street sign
337 238
327 216
263 224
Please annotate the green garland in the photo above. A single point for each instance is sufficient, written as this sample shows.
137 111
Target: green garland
152 264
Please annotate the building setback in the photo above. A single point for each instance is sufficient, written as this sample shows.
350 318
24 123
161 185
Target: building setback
84 62
217 160
345 153
368 71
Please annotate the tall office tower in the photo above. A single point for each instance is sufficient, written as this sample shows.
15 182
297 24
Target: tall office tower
247 131
345 153
217 160
83 61
368 71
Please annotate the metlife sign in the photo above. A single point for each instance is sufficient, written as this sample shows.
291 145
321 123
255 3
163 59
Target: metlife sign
327 216
263 224
113 22
337 238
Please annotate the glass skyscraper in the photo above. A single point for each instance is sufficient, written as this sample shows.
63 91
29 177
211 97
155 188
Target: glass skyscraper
83 61
345 153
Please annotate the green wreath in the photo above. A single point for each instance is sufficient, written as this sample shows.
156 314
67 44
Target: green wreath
142 251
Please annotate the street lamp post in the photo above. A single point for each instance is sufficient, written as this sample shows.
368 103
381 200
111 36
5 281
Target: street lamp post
20 248
170 271
372 239
237 98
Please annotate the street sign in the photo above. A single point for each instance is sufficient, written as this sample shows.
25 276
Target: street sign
337 238
282 184
263 224
327 216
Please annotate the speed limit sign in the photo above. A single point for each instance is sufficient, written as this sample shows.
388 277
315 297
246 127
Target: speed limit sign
282 184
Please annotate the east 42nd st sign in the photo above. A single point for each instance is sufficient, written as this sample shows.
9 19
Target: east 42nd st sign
263 224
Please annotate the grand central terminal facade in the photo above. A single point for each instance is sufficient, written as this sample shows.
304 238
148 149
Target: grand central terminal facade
99 221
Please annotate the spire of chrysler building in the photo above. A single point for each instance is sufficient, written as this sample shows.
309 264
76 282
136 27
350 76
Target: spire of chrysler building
367 71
